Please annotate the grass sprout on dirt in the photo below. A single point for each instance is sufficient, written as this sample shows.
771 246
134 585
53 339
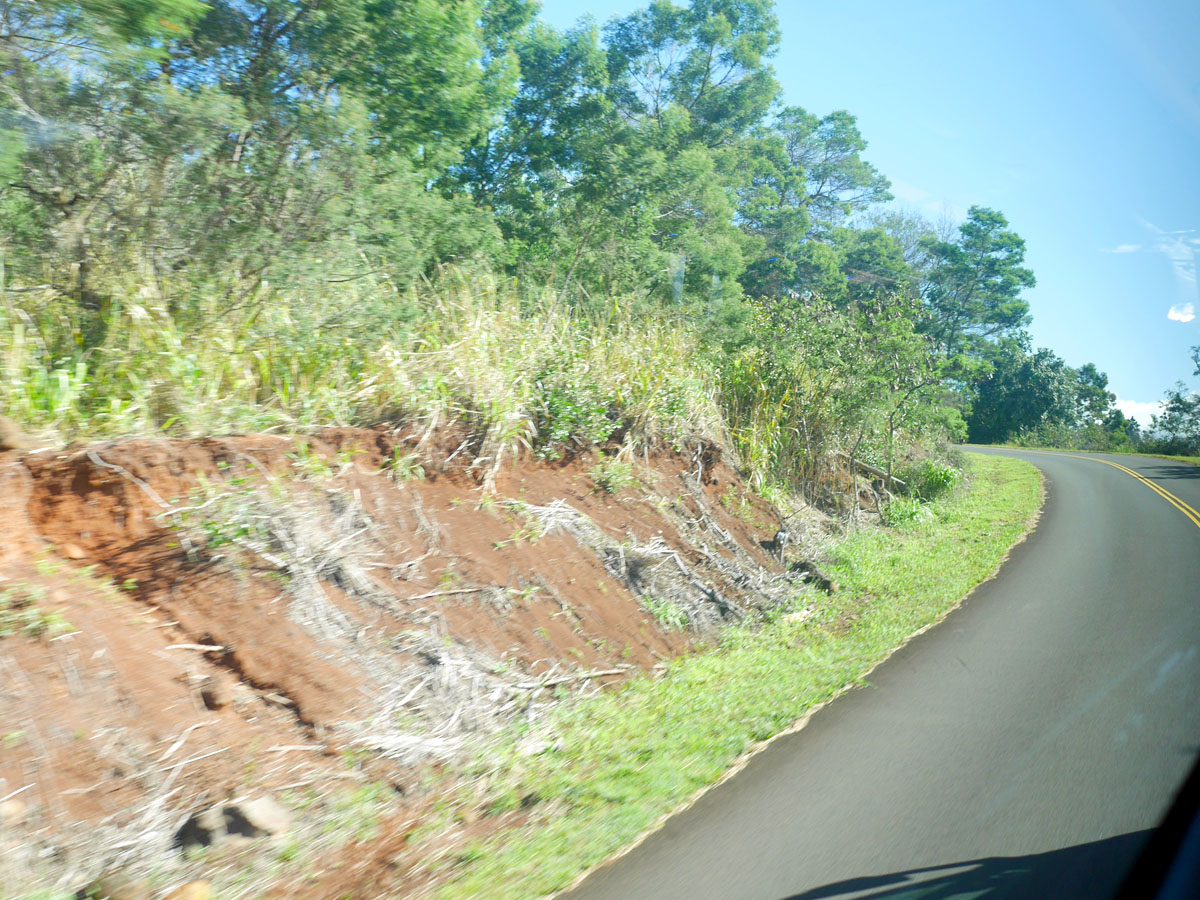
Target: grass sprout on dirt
23 611
621 760
613 474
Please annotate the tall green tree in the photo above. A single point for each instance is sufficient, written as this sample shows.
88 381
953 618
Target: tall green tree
707 58
974 284
806 177
1021 391
281 138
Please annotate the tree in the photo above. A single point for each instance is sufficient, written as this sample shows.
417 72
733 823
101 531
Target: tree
708 58
804 178
1177 428
1094 400
278 136
838 181
1021 391
606 172
873 264
973 288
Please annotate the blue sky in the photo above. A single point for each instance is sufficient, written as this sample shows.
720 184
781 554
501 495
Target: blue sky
1080 121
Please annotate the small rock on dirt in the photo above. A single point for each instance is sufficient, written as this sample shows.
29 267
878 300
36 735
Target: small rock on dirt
202 829
12 812
216 693
193 890
11 437
219 825
261 817
117 885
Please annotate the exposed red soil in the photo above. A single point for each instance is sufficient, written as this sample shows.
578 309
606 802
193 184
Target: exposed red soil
95 722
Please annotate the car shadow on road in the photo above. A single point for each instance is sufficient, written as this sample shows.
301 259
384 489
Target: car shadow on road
1093 871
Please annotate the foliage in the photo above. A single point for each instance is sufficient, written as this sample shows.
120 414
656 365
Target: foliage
930 479
973 289
465 348
904 512
1039 402
613 474
815 378
1176 430
667 613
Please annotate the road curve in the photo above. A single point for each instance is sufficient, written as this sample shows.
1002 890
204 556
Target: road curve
1023 748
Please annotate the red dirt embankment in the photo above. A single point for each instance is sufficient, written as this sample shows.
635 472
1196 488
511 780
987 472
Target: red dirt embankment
191 622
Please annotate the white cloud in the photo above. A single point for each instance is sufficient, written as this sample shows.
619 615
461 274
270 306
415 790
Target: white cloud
1182 312
1123 248
1140 410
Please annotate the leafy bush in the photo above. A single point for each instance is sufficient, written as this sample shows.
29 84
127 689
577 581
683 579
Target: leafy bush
572 413
613 474
667 613
932 479
904 512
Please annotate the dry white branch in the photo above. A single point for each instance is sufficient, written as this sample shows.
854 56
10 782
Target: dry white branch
205 648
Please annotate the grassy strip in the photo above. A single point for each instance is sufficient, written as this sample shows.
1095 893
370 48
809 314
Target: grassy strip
1192 460
623 760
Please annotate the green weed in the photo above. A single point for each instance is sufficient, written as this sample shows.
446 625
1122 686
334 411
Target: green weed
666 613
22 612
406 466
613 474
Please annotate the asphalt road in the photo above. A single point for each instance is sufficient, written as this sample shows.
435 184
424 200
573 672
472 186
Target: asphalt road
1023 748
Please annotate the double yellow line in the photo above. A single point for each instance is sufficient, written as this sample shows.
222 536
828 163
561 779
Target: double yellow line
1161 491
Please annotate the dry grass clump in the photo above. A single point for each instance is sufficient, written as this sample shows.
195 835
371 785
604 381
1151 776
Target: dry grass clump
463 348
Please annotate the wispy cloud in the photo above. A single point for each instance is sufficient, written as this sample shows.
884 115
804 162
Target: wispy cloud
1179 247
1122 248
1182 312
1140 409
929 205
909 193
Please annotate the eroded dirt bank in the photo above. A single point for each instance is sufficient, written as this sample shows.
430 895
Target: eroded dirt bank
187 627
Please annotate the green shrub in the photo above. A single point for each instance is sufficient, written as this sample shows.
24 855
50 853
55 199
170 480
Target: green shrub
930 479
613 474
667 613
904 512
572 413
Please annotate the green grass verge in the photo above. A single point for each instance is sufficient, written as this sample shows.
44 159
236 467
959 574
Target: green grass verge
1193 460
623 760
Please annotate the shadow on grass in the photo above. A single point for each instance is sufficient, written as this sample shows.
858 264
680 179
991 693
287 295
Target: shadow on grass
1090 871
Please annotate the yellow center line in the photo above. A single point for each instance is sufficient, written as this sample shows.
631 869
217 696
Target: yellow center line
1158 489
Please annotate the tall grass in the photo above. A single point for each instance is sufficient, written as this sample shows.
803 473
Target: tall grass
463 348
517 366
